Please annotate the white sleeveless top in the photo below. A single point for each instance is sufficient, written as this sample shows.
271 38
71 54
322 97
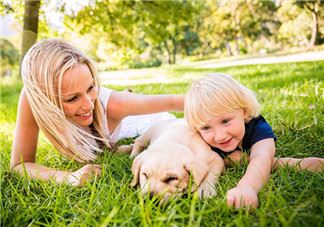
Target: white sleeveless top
130 126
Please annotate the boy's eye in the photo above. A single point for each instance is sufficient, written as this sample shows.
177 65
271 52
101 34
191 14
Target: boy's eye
205 128
225 121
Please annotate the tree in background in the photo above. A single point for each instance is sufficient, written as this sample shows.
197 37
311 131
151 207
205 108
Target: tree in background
300 27
239 27
111 25
137 33
168 25
315 8
30 29
138 26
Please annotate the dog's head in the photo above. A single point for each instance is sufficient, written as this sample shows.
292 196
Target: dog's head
165 171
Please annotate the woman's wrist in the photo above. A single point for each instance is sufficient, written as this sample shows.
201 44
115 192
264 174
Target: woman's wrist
72 179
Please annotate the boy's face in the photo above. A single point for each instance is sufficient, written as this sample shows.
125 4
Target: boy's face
225 131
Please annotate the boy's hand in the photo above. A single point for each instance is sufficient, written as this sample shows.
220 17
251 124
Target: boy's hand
82 175
240 197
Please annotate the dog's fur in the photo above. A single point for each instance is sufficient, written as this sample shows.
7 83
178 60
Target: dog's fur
173 153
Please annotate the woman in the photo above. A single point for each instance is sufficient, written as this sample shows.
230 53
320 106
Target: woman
61 96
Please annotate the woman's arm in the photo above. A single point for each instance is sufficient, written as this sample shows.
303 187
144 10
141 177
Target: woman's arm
26 134
25 146
123 104
245 194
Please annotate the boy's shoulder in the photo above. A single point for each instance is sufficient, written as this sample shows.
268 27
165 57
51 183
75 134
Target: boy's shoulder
255 130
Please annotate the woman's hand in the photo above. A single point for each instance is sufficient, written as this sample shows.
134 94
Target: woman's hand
84 174
240 197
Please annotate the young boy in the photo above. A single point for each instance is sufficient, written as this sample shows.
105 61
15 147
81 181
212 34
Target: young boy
226 114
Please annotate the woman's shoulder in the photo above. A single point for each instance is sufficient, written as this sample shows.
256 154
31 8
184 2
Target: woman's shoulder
104 95
104 91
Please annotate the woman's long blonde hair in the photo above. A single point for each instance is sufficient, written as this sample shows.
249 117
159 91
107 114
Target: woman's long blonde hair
42 67
216 94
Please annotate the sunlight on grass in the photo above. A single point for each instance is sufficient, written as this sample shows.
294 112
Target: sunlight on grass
292 98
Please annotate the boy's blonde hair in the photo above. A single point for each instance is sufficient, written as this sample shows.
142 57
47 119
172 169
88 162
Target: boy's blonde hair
42 67
216 94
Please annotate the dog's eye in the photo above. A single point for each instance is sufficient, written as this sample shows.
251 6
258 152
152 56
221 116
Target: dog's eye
169 179
145 175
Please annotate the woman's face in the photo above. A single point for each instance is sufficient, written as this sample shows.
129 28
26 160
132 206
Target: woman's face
79 94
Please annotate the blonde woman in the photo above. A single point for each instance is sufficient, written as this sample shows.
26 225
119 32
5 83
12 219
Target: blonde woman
226 115
62 98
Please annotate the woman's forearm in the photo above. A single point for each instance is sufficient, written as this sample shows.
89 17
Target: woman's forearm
178 102
76 178
40 172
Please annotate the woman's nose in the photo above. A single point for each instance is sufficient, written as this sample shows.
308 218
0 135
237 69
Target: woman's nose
88 103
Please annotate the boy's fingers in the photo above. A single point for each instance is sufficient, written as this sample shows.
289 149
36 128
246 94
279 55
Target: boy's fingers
239 203
230 200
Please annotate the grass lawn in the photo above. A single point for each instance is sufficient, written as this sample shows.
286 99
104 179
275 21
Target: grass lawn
292 98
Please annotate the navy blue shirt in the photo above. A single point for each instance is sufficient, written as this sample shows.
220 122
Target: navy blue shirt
255 130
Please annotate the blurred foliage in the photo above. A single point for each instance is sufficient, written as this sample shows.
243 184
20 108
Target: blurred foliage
5 8
9 56
137 33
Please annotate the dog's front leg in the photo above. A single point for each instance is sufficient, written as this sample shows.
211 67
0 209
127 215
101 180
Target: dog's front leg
207 187
140 144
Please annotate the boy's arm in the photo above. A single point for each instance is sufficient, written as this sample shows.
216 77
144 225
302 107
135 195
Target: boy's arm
245 194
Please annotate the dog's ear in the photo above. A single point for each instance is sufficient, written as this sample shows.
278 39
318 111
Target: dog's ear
198 170
136 168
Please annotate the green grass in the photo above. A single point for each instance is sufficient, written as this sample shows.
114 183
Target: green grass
293 102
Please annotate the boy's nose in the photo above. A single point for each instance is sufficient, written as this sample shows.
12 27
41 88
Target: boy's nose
219 136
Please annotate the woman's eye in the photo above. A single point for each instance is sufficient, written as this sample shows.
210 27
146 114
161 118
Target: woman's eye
91 87
71 99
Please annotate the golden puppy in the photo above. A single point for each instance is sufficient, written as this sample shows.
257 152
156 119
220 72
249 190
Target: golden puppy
174 152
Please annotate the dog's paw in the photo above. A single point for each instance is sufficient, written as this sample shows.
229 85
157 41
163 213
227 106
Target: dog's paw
138 147
134 153
206 190
124 149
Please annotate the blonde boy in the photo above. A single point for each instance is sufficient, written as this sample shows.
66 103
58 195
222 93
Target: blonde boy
226 114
